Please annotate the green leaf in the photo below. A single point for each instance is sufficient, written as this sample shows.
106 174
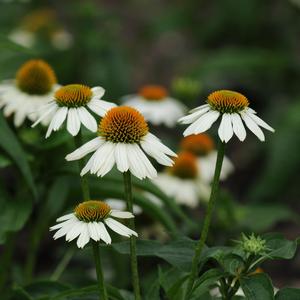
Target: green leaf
288 294
178 253
206 281
45 288
232 263
11 145
20 294
281 248
257 287
14 213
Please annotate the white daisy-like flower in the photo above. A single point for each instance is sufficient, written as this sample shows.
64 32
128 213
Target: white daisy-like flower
33 87
183 181
73 103
203 146
121 205
123 139
234 109
89 221
156 105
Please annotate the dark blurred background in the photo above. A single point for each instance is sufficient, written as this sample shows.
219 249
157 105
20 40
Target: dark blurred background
249 46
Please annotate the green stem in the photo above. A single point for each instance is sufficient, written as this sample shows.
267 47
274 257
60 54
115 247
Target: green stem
83 179
207 220
62 264
6 260
233 290
102 289
133 257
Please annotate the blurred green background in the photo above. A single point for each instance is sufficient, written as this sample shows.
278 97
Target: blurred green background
249 46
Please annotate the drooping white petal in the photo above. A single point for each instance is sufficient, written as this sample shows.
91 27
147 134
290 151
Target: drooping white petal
84 236
20 116
253 127
73 122
108 163
87 119
204 122
119 227
121 157
64 229
57 120
135 166
194 115
100 107
238 127
98 91
65 217
85 149
150 170
121 214
102 156
158 144
225 130
51 109
259 121
75 231
93 231
104 235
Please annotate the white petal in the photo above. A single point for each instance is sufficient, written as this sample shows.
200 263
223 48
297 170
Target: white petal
93 230
73 122
47 112
225 129
65 217
199 108
100 107
87 119
253 126
121 157
195 115
103 156
59 117
238 127
104 235
119 227
84 236
75 231
108 163
64 229
135 166
20 116
150 170
121 214
98 91
259 121
203 123
85 149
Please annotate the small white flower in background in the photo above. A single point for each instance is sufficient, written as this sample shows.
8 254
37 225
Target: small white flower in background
234 109
121 205
156 105
89 221
123 137
33 87
72 103
183 181
203 146
22 37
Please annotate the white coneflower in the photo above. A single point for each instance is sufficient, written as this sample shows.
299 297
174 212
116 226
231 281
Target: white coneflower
183 181
203 146
33 87
234 109
89 221
156 105
123 137
73 102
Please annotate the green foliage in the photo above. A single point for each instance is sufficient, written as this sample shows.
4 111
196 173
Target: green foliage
288 294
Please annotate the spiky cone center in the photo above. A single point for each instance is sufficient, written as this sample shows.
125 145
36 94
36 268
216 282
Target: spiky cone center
92 211
35 77
153 92
73 95
198 144
254 244
185 166
123 124
226 101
